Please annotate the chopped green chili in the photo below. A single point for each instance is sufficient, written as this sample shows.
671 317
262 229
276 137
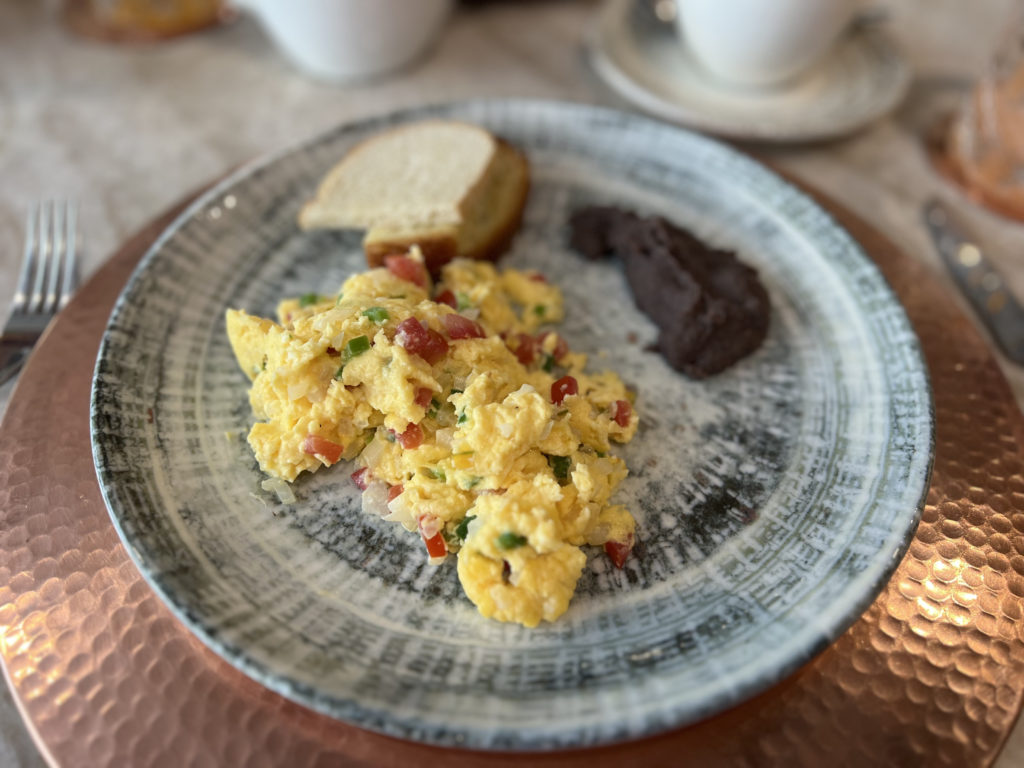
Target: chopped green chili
435 406
377 314
355 347
560 466
510 540
462 529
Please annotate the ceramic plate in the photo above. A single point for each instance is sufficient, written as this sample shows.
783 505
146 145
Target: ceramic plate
642 59
772 500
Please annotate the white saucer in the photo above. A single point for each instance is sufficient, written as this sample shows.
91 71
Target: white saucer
642 59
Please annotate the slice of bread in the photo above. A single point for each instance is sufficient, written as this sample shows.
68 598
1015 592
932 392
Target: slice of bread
451 188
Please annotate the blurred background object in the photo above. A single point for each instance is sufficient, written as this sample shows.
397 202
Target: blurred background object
985 143
350 39
142 20
753 44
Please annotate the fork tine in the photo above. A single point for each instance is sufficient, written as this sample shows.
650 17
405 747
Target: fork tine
28 260
70 277
57 256
44 240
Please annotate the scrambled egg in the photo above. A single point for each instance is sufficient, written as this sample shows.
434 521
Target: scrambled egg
467 423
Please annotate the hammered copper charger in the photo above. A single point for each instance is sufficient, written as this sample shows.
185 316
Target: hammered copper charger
932 673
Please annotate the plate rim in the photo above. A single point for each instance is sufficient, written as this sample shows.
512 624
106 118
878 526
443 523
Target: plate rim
870 581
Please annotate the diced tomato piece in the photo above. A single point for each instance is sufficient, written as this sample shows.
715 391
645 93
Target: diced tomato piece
394 492
561 345
361 477
406 268
326 450
436 347
537 277
621 411
460 327
447 297
411 438
430 529
618 551
525 349
423 397
435 545
561 389
417 339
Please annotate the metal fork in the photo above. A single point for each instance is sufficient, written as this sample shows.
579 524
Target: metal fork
49 276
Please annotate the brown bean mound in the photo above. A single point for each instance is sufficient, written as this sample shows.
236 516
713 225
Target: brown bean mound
710 308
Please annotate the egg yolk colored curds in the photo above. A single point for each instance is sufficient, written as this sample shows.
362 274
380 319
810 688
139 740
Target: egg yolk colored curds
469 421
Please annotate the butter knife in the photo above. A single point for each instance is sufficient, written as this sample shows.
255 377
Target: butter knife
983 286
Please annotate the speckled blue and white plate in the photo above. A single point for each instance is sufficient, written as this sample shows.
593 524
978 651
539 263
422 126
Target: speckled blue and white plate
773 500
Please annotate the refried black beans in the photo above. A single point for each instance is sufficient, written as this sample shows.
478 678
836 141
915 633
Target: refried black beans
710 308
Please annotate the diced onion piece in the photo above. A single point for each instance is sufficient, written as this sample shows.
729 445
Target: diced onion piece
280 488
505 429
430 525
375 499
443 437
400 510
373 453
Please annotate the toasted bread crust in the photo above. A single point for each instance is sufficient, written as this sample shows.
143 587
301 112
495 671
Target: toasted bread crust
439 250
502 236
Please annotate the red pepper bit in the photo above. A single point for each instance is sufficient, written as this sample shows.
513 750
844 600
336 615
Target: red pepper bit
326 450
411 438
447 297
621 412
361 477
618 551
435 545
561 389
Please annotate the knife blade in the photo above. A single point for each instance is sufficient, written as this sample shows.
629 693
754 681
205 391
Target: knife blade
986 289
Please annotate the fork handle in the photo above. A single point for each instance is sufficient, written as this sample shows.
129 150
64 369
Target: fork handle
12 356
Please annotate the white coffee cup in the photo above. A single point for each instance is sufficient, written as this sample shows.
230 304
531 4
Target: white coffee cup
759 43
350 39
